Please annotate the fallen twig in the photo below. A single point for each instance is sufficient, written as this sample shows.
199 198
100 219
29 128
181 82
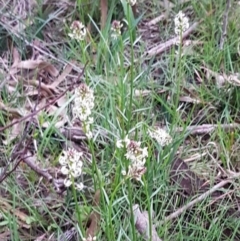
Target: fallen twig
157 19
198 199
207 128
42 172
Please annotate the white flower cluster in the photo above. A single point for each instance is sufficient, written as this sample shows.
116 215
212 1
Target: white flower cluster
116 29
79 31
137 157
181 23
161 136
71 163
83 105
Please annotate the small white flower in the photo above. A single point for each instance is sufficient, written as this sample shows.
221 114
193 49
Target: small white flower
79 186
136 172
124 173
135 153
67 182
90 120
116 29
64 170
89 135
126 140
79 31
131 2
87 127
119 144
181 23
63 159
71 155
145 152
90 238
76 172
81 112
161 136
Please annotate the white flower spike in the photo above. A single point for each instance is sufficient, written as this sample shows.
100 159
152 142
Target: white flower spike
71 167
116 29
83 105
79 31
137 157
181 23
161 136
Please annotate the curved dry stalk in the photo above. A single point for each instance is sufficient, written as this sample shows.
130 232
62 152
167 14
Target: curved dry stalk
198 199
225 23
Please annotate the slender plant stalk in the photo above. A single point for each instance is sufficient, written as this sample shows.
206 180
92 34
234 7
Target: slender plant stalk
149 207
129 185
131 68
78 211
178 77
130 198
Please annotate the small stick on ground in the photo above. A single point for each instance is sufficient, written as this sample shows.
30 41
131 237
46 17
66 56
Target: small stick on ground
157 19
225 24
42 172
198 199
207 128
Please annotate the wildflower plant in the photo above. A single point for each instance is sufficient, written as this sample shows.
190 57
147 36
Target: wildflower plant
136 156
181 23
71 162
83 105
161 136
116 29
78 31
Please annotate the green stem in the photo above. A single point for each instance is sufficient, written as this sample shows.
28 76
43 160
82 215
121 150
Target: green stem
122 88
130 197
131 68
149 207
78 211
97 181
178 77
110 208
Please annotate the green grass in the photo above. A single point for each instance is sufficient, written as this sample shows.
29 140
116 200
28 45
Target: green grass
115 71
